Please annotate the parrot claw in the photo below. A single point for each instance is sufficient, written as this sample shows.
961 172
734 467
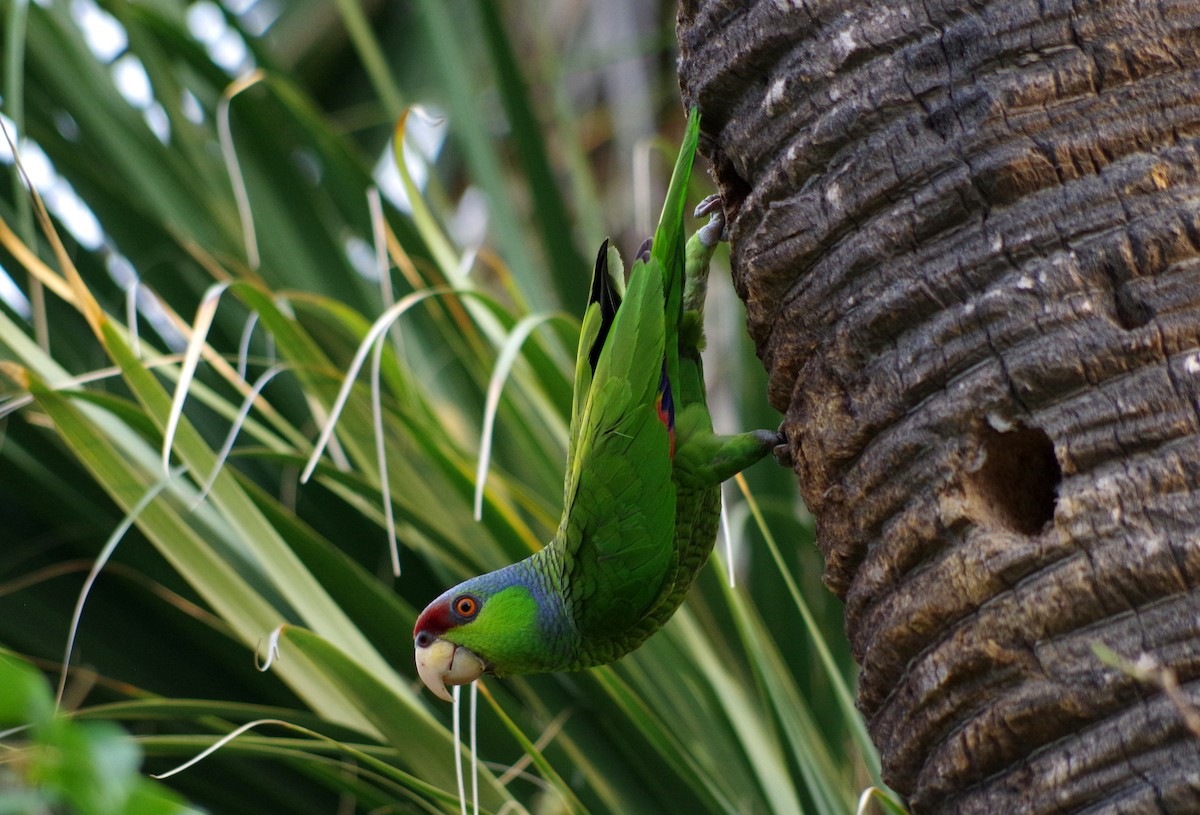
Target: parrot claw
776 443
715 230
708 205
782 449
783 455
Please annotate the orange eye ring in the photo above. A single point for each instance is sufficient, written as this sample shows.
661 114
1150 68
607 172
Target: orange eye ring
466 606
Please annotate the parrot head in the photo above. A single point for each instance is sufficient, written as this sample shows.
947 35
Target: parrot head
501 623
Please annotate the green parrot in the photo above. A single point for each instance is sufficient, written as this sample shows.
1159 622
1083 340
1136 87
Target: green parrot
642 498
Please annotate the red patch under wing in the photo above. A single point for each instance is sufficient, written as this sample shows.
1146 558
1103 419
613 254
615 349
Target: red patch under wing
666 407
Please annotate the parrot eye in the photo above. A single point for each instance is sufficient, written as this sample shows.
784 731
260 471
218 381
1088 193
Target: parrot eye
466 606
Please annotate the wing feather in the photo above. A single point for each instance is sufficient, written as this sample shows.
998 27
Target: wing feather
616 543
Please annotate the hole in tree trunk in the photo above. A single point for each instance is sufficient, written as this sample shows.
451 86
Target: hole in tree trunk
1131 312
734 188
1016 483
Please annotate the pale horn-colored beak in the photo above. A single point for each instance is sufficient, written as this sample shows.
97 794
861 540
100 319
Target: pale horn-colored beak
442 663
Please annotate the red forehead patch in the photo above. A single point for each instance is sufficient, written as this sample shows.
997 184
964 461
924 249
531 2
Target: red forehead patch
435 619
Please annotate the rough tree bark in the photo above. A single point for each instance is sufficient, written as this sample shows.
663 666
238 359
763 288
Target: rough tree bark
968 238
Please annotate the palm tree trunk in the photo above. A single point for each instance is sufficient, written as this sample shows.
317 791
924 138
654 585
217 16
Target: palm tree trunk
968 239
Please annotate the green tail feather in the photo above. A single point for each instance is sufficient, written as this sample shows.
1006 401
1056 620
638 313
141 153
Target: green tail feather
668 246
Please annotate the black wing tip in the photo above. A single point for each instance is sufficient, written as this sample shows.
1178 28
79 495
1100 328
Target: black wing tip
600 280
604 293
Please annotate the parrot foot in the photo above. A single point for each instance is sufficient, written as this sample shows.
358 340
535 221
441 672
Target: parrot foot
643 252
716 229
708 205
782 448
776 443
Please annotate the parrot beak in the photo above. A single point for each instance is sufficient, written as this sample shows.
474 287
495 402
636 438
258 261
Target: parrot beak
441 663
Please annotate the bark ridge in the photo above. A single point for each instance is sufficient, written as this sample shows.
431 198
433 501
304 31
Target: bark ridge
968 238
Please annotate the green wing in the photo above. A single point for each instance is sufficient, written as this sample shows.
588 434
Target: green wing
669 241
616 542
619 513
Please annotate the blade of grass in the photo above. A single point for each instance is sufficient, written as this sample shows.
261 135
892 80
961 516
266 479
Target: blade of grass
569 799
821 772
216 580
760 745
234 168
845 701
504 363
420 790
408 727
371 54
665 741
110 546
456 65
279 562
196 343
14 106
550 212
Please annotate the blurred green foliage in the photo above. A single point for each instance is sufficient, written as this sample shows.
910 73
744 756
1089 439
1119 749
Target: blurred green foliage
61 765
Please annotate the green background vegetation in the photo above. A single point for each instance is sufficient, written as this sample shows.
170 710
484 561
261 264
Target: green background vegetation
543 118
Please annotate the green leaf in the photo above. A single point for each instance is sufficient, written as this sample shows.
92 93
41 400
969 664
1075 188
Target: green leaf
412 732
24 697
722 711
92 765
